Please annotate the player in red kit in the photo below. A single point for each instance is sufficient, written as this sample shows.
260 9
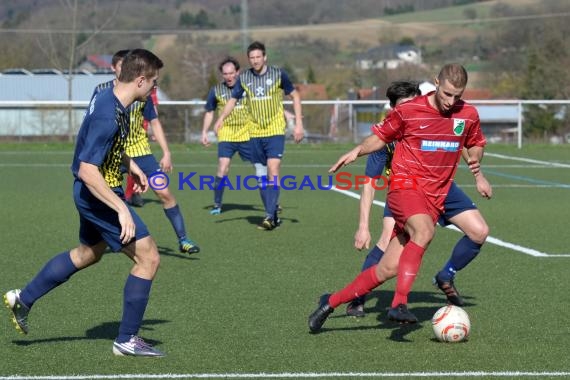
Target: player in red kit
431 131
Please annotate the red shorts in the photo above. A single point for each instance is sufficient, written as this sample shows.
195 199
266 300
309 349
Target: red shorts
407 202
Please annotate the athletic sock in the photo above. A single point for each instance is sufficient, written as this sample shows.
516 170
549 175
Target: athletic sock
372 258
54 273
408 268
272 197
360 286
463 253
218 191
177 220
130 187
135 299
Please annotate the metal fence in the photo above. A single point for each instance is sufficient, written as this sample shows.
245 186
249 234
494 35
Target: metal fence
503 121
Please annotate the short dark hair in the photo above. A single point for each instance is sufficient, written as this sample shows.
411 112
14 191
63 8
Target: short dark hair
118 56
402 89
256 45
231 60
455 74
139 62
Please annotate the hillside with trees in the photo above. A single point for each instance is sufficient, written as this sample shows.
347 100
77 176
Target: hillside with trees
515 48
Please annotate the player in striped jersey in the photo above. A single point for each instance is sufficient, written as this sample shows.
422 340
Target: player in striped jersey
234 136
104 218
431 131
138 147
264 87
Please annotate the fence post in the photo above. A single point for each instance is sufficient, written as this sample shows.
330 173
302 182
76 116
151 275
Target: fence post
519 125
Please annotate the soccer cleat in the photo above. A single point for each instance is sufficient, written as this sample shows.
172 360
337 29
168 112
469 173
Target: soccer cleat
136 200
356 308
136 347
268 224
18 309
188 246
448 288
319 316
401 314
216 211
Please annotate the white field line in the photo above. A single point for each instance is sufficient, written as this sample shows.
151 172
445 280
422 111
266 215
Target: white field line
490 239
294 375
530 160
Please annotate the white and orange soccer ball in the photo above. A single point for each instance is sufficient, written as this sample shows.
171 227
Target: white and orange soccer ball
451 324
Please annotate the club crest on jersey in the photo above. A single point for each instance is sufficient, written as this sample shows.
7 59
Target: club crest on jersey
458 126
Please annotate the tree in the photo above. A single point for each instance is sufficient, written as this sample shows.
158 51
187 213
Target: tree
63 56
311 75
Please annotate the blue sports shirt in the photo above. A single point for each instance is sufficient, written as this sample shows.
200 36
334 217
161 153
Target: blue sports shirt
102 137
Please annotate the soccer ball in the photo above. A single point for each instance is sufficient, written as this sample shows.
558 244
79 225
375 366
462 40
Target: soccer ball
451 324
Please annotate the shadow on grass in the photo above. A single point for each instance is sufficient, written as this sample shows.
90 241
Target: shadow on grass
106 330
227 207
378 302
165 251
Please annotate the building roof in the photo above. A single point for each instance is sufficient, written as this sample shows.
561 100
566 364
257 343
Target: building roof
52 87
100 61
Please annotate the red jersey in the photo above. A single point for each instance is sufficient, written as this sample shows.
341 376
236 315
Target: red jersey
429 143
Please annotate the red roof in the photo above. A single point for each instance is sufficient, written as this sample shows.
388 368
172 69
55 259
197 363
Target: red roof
101 61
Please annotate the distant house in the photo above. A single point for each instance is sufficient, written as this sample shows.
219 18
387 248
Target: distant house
389 57
97 63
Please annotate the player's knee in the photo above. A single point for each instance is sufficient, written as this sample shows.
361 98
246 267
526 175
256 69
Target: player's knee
386 271
480 233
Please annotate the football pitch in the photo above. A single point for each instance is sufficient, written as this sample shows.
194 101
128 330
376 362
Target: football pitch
239 308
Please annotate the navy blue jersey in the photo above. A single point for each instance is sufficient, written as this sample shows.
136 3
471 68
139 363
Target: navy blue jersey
137 141
102 137
377 161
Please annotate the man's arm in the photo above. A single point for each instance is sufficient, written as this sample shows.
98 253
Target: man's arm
158 132
474 157
371 144
362 236
90 175
228 108
208 118
298 132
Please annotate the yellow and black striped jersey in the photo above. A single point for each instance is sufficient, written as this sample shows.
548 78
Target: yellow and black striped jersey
102 137
137 140
237 124
265 100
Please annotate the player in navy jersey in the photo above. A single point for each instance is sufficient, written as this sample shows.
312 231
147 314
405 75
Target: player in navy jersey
263 87
459 210
105 219
432 131
138 148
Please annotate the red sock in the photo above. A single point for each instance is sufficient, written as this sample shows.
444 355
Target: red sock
408 268
361 285
129 189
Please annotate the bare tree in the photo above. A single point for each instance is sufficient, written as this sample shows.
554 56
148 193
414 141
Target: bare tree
57 55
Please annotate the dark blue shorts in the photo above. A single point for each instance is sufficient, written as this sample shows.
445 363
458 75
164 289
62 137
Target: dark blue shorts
375 163
263 148
455 203
98 222
148 164
227 149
